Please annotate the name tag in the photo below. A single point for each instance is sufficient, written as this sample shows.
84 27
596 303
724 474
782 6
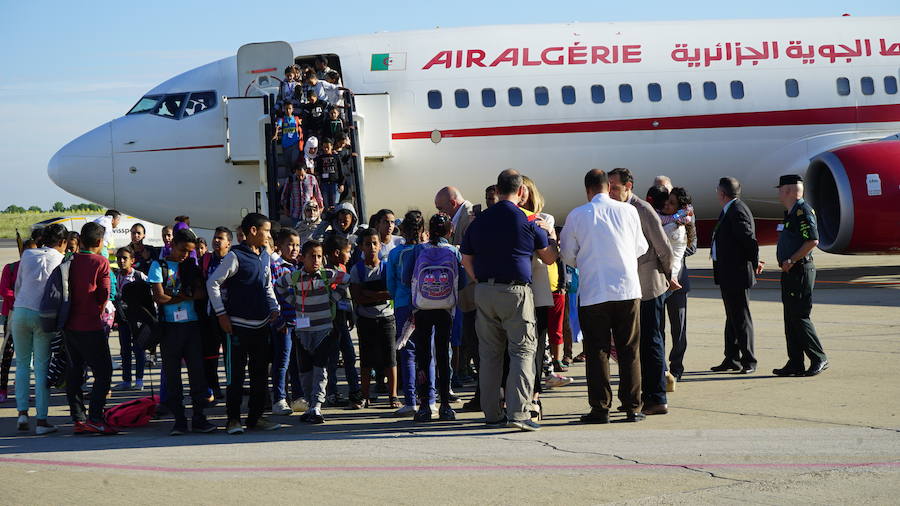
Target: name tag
181 315
780 227
302 322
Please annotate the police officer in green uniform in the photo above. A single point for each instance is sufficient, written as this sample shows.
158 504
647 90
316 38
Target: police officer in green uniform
796 241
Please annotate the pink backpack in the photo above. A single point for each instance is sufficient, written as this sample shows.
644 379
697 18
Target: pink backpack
136 413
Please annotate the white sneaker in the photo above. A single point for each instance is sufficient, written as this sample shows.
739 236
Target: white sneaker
556 380
23 424
281 408
299 405
435 413
406 411
41 430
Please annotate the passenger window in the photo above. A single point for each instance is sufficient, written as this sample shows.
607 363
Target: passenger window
709 90
654 92
462 98
890 85
684 91
625 93
488 97
434 99
737 90
868 85
598 94
792 88
541 95
568 95
515 97
145 104
170 106
843 86
199 102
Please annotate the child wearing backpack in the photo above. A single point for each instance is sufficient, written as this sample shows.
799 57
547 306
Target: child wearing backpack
435 278
177 283
308 289
127 274
375 324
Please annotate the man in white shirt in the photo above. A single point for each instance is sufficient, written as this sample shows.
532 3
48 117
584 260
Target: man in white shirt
110 221
603 239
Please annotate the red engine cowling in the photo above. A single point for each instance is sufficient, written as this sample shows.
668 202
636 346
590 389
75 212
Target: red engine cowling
855 191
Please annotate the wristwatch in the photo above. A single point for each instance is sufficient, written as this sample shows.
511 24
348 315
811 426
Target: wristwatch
789 261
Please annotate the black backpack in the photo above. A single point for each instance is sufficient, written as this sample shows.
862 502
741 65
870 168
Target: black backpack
141 312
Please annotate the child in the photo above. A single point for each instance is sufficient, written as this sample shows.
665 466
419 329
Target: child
286 90
291 133
433 271
413 230
334 94
288 245
72 239
125 275
143 254
214 339
301 188
310 152
342 222
245 314
335 125
310 221
375 324
314 114
337 254
384 222
202 247
167 242
314 321
7 283
86 338
176 283
331 173
668 208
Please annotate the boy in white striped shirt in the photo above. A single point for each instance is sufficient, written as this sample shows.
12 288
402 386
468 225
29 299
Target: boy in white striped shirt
312 297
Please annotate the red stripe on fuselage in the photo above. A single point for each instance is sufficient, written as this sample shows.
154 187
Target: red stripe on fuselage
176 149
826 116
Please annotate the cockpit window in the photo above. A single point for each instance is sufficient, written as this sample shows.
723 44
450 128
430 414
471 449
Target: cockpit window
170 106
199 102
145 104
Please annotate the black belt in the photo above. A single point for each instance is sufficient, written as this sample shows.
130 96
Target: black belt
515 282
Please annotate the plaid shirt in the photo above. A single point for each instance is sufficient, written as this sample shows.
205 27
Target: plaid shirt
297 193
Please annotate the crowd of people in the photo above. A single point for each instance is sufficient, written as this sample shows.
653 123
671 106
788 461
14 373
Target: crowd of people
493 295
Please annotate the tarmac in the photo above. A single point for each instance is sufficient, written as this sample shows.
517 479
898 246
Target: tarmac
728 438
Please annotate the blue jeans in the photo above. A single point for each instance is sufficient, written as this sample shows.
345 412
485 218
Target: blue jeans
407 362
282 344
330 194
127 348
30 341
653 350
345 349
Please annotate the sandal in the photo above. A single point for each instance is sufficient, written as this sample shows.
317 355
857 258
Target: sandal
395 403
537 411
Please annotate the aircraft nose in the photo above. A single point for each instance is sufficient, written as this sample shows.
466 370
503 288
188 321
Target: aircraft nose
84 167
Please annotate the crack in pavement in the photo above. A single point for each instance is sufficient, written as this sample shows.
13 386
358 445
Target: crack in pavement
826 422
626 459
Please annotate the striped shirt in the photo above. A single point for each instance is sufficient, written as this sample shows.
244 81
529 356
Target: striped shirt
310 295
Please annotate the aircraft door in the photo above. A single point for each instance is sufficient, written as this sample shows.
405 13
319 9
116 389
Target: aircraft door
259 66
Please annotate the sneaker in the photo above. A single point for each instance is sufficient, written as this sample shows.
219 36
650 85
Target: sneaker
203 426
495 424
234 427
423 414
670 382
474 404
312 417
447 413
4 395
434 410
405 411
42 430
23 425
122 387
281 408
98 428
79 428
453 397
138 385
264 424
179 429
299 405
523 425
556 380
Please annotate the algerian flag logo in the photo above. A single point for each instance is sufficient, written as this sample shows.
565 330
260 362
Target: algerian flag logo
389 61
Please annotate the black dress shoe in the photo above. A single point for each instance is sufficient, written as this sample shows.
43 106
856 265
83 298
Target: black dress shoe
635 417
725 366
789 370
748 369
816 368
596 416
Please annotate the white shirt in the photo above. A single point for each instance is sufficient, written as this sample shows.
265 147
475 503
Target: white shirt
327 91
603 239
712 251
34 270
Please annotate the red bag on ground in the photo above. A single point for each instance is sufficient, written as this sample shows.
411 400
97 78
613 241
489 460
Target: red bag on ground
136 413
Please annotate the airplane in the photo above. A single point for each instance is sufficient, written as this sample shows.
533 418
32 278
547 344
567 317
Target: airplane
753 99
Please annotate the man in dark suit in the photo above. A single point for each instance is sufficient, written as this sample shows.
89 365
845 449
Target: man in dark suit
735 255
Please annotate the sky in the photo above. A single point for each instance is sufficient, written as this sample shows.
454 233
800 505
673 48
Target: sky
67 67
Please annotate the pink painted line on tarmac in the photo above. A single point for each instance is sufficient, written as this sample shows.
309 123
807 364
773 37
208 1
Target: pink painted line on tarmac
354 469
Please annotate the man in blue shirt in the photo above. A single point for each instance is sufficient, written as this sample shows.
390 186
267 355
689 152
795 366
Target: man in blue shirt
497 250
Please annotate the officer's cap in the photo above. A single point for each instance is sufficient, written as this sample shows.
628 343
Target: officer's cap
789 179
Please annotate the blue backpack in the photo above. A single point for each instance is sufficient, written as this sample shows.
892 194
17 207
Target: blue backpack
435 278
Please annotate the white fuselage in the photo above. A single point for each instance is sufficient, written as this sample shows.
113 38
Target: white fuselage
156 168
